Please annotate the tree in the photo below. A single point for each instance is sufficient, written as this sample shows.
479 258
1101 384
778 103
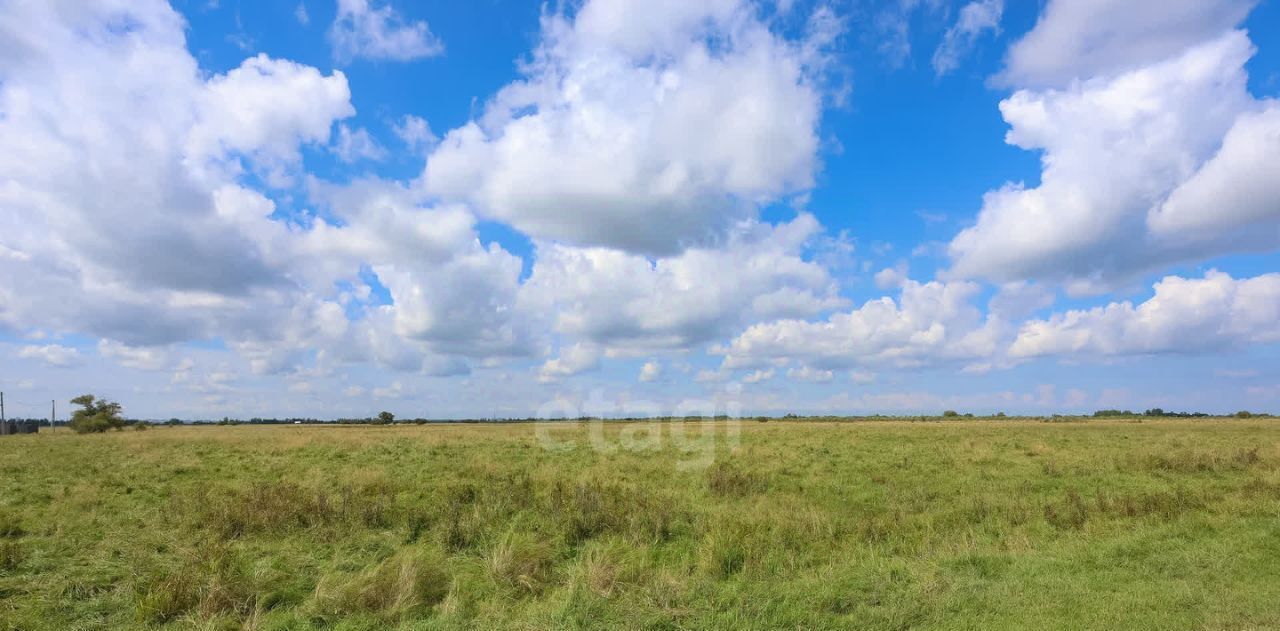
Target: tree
385 418
95 415
950 413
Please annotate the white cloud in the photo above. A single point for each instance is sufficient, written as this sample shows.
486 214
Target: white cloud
52 354
265 109
976 18
573 360
1081 39
892 27
651 371
626 301
1130 180
300 13
360 30
642 126
892 277
415 133
356 145
140 358
805 373
931 322
1235 195
1185 315
758 376
1019 299
123 161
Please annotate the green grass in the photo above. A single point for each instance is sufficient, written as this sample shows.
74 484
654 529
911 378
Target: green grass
871 525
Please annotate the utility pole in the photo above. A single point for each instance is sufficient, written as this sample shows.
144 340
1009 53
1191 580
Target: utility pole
53 412
4 425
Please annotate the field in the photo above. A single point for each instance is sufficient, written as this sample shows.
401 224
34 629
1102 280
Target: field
1109 524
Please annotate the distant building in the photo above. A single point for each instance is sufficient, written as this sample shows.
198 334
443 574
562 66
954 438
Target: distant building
19 427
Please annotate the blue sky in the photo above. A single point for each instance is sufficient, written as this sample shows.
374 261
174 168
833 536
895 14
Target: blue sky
486 208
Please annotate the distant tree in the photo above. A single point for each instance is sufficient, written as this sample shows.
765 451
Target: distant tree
386 418
950 413
95 415
1244 414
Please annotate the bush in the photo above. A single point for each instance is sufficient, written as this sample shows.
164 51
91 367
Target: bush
1244 414
950 413
95 415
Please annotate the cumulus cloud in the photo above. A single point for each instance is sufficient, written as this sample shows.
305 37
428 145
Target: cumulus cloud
132 357
265 109
1235 195
805 373
52 354
1081 39
1184 316
128 166
415 133
573 360
976 18
106 141
930 322
354 145
630 302
361 30
651 371
891 277
1156 165
641 126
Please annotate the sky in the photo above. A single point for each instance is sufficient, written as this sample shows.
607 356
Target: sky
218 208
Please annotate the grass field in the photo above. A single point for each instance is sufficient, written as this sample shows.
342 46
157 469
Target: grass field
870 525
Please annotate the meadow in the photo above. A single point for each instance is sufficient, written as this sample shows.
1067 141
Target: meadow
1010 524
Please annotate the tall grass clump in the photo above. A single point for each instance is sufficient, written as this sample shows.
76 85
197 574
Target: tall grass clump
404 584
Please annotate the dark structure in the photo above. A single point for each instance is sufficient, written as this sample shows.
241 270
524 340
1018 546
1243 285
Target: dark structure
19 427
